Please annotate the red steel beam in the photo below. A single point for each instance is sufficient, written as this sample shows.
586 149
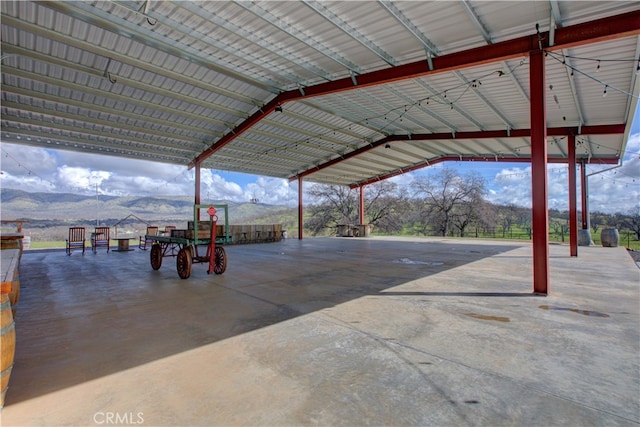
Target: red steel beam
426 163
610 28
514 133
618 26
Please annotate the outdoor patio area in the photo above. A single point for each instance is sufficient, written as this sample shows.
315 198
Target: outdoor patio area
329 331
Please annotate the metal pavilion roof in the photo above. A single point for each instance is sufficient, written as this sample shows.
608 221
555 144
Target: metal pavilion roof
366 89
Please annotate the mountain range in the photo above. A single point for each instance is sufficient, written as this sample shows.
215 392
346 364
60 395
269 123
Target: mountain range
65 207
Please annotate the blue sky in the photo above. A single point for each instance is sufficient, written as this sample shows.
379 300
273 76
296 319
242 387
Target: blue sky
43 170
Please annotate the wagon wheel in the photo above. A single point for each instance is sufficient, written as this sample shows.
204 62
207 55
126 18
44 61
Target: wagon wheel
220 262
156 256
183 263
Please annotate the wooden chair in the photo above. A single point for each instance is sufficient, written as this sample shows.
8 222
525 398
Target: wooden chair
100 237
167 230
76 239
152 230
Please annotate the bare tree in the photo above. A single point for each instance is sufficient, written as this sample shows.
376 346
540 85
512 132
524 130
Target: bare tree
487 215
336 204
558 226
508 215
632 221
463 216
418 217
446 191
386 206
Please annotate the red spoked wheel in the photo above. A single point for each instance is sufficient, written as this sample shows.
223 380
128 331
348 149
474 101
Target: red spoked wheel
156 256
184 262
220 261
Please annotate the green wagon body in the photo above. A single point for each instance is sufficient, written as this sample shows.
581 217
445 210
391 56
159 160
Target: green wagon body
185 249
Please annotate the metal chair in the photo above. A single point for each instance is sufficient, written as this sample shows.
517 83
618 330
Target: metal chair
152 230
100 237
76 239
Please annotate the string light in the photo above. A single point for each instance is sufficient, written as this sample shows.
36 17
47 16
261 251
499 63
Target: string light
605 84
390 117
401 111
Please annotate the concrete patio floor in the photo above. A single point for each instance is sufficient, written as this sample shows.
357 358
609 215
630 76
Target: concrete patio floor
330 332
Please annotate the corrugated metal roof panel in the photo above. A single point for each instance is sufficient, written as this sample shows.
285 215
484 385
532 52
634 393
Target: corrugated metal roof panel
195 70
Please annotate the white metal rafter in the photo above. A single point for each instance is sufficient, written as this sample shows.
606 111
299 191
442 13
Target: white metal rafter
345 27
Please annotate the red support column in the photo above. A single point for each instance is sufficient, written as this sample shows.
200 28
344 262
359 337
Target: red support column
539 192
361 207
584 192
300 210
197 188
573 208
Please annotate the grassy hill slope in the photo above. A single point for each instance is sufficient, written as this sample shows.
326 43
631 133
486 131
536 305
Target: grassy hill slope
50 214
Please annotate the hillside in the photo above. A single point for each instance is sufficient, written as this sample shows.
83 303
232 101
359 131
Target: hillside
72 207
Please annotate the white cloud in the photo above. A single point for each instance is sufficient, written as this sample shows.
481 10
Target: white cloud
271 191
215 187
80 179
41 170
29 183
612 190
511 185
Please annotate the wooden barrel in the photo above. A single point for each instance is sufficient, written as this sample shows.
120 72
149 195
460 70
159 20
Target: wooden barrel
26 242
7 344
14 295
584 237
609 237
